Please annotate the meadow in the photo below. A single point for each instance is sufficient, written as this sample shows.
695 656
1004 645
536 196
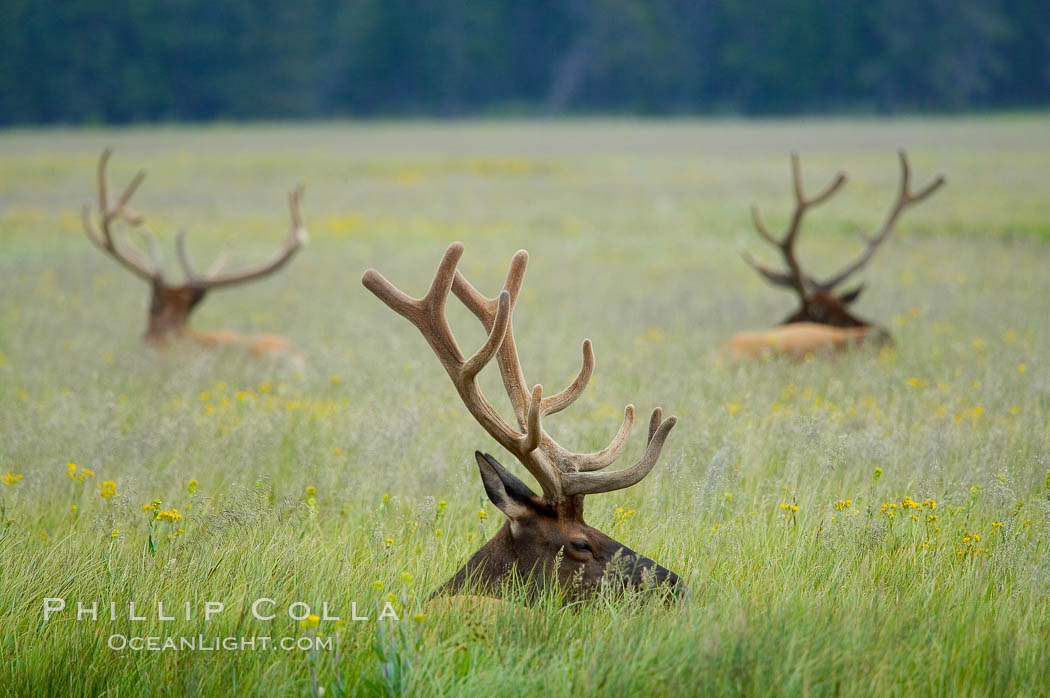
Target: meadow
874 523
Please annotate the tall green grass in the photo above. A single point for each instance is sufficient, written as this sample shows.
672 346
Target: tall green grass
633 228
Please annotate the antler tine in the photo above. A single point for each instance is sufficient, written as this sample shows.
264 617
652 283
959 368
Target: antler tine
156 257
103 184
184 257
760 226
474 364
402 303
440 287
777 278
654 423
800 197
122 209
297 236
802 204
295 197
905 198
906 192
586 462
557 403
531 441
105 240
582 483
507 358
219 263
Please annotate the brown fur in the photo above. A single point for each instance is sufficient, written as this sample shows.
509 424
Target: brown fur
540 545
169 313
798 339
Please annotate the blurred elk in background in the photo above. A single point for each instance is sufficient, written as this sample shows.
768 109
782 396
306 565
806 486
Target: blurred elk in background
545 540
171 304
823 320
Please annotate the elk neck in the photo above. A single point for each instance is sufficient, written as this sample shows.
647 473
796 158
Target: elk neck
825 309
169 310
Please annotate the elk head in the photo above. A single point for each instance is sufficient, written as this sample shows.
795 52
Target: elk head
545 539
818 301
171 304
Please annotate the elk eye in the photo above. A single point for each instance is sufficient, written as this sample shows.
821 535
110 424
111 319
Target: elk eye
582 546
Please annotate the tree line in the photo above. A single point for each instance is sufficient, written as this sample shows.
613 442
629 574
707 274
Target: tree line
118 61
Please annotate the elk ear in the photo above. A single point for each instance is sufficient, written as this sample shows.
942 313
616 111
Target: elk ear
510 495
850 296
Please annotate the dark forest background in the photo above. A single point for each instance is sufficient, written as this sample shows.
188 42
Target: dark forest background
77 61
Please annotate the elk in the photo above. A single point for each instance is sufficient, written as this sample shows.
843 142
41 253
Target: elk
171 304
544 540
823 319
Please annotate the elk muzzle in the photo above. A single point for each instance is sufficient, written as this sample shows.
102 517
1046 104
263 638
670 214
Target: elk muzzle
630 570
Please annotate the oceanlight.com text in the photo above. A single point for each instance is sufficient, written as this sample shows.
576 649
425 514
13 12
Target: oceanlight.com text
202 643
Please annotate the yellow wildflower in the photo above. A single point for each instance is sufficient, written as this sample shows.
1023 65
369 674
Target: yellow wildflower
387 542
11 479
406 577
377 585
311 621
191 487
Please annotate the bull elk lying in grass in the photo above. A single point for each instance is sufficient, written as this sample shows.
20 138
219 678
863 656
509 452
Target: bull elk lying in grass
823 320
170 304
545 539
